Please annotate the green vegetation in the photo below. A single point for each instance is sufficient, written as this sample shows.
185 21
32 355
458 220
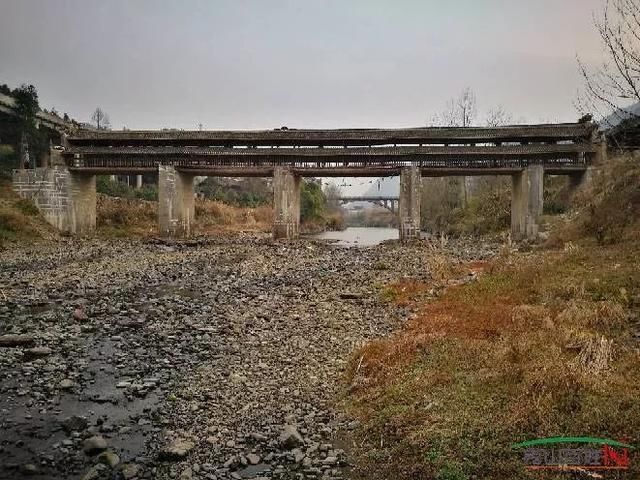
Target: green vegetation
115 188
487 211
313 203
20 221
27 207
316 213
543 344
244 192
8 161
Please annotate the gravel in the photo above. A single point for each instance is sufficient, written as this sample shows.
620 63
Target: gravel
208 359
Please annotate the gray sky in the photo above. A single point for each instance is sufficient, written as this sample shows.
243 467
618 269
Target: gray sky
301 63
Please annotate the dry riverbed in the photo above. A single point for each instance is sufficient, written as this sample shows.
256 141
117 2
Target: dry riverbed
199 360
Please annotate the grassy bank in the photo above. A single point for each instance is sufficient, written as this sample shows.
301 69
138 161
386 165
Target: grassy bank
542 344
20 221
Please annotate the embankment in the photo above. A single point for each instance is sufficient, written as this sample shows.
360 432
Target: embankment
544 343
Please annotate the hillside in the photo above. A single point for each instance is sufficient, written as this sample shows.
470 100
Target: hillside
541 344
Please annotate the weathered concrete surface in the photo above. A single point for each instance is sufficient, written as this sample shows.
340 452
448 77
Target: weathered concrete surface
286 204
191 360
527 202
581 180
176 202
409 204
66 200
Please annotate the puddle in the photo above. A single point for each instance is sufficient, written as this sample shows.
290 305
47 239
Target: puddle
37 437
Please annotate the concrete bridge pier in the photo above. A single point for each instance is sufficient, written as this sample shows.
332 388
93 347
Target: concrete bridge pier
286 203
409 203
526 202
66 199
176 202
580 180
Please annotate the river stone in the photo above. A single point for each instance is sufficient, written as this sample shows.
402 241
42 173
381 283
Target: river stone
109 458
29 469
253 459
177 449
16 340
94 472
74 423
94 444
66 384
290 438
37 352
129 470
330 461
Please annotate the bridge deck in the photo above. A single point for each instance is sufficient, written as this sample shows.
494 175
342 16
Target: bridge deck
352 152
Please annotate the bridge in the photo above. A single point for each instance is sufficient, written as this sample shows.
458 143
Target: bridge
525 152
386 202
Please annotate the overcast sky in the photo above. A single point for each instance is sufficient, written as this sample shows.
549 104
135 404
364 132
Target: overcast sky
301 63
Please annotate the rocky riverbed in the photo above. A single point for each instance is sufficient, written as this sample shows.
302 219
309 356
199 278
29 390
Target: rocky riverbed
211 359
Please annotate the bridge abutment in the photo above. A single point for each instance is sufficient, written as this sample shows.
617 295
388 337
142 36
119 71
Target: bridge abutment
286 203
67 200
409 203
526 202
176 202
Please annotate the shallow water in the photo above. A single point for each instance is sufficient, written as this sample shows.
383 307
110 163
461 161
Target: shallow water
359 236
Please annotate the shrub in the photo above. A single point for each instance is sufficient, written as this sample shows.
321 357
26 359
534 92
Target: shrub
112 188
27 207
313 203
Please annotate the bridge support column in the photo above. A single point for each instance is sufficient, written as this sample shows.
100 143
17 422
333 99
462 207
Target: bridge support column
138 181
286 203
176 203
409 203
526 202
580 180
67 200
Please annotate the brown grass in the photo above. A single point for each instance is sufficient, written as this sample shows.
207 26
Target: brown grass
20 221
542 344
212 216
121 217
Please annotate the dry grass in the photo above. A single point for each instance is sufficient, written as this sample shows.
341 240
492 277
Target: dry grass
122 217
541 345
20 221
212 216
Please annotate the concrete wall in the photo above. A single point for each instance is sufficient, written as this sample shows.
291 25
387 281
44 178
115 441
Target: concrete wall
66 200
176 202
286 204
526 202
409 204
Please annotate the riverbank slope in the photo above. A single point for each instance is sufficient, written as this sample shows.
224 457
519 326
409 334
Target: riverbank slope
544 344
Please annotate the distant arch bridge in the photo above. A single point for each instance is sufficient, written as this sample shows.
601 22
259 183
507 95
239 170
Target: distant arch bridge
390 203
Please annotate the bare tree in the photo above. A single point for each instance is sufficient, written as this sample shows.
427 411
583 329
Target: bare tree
332 192
100 119
459 112
467 107
499 116
615 84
